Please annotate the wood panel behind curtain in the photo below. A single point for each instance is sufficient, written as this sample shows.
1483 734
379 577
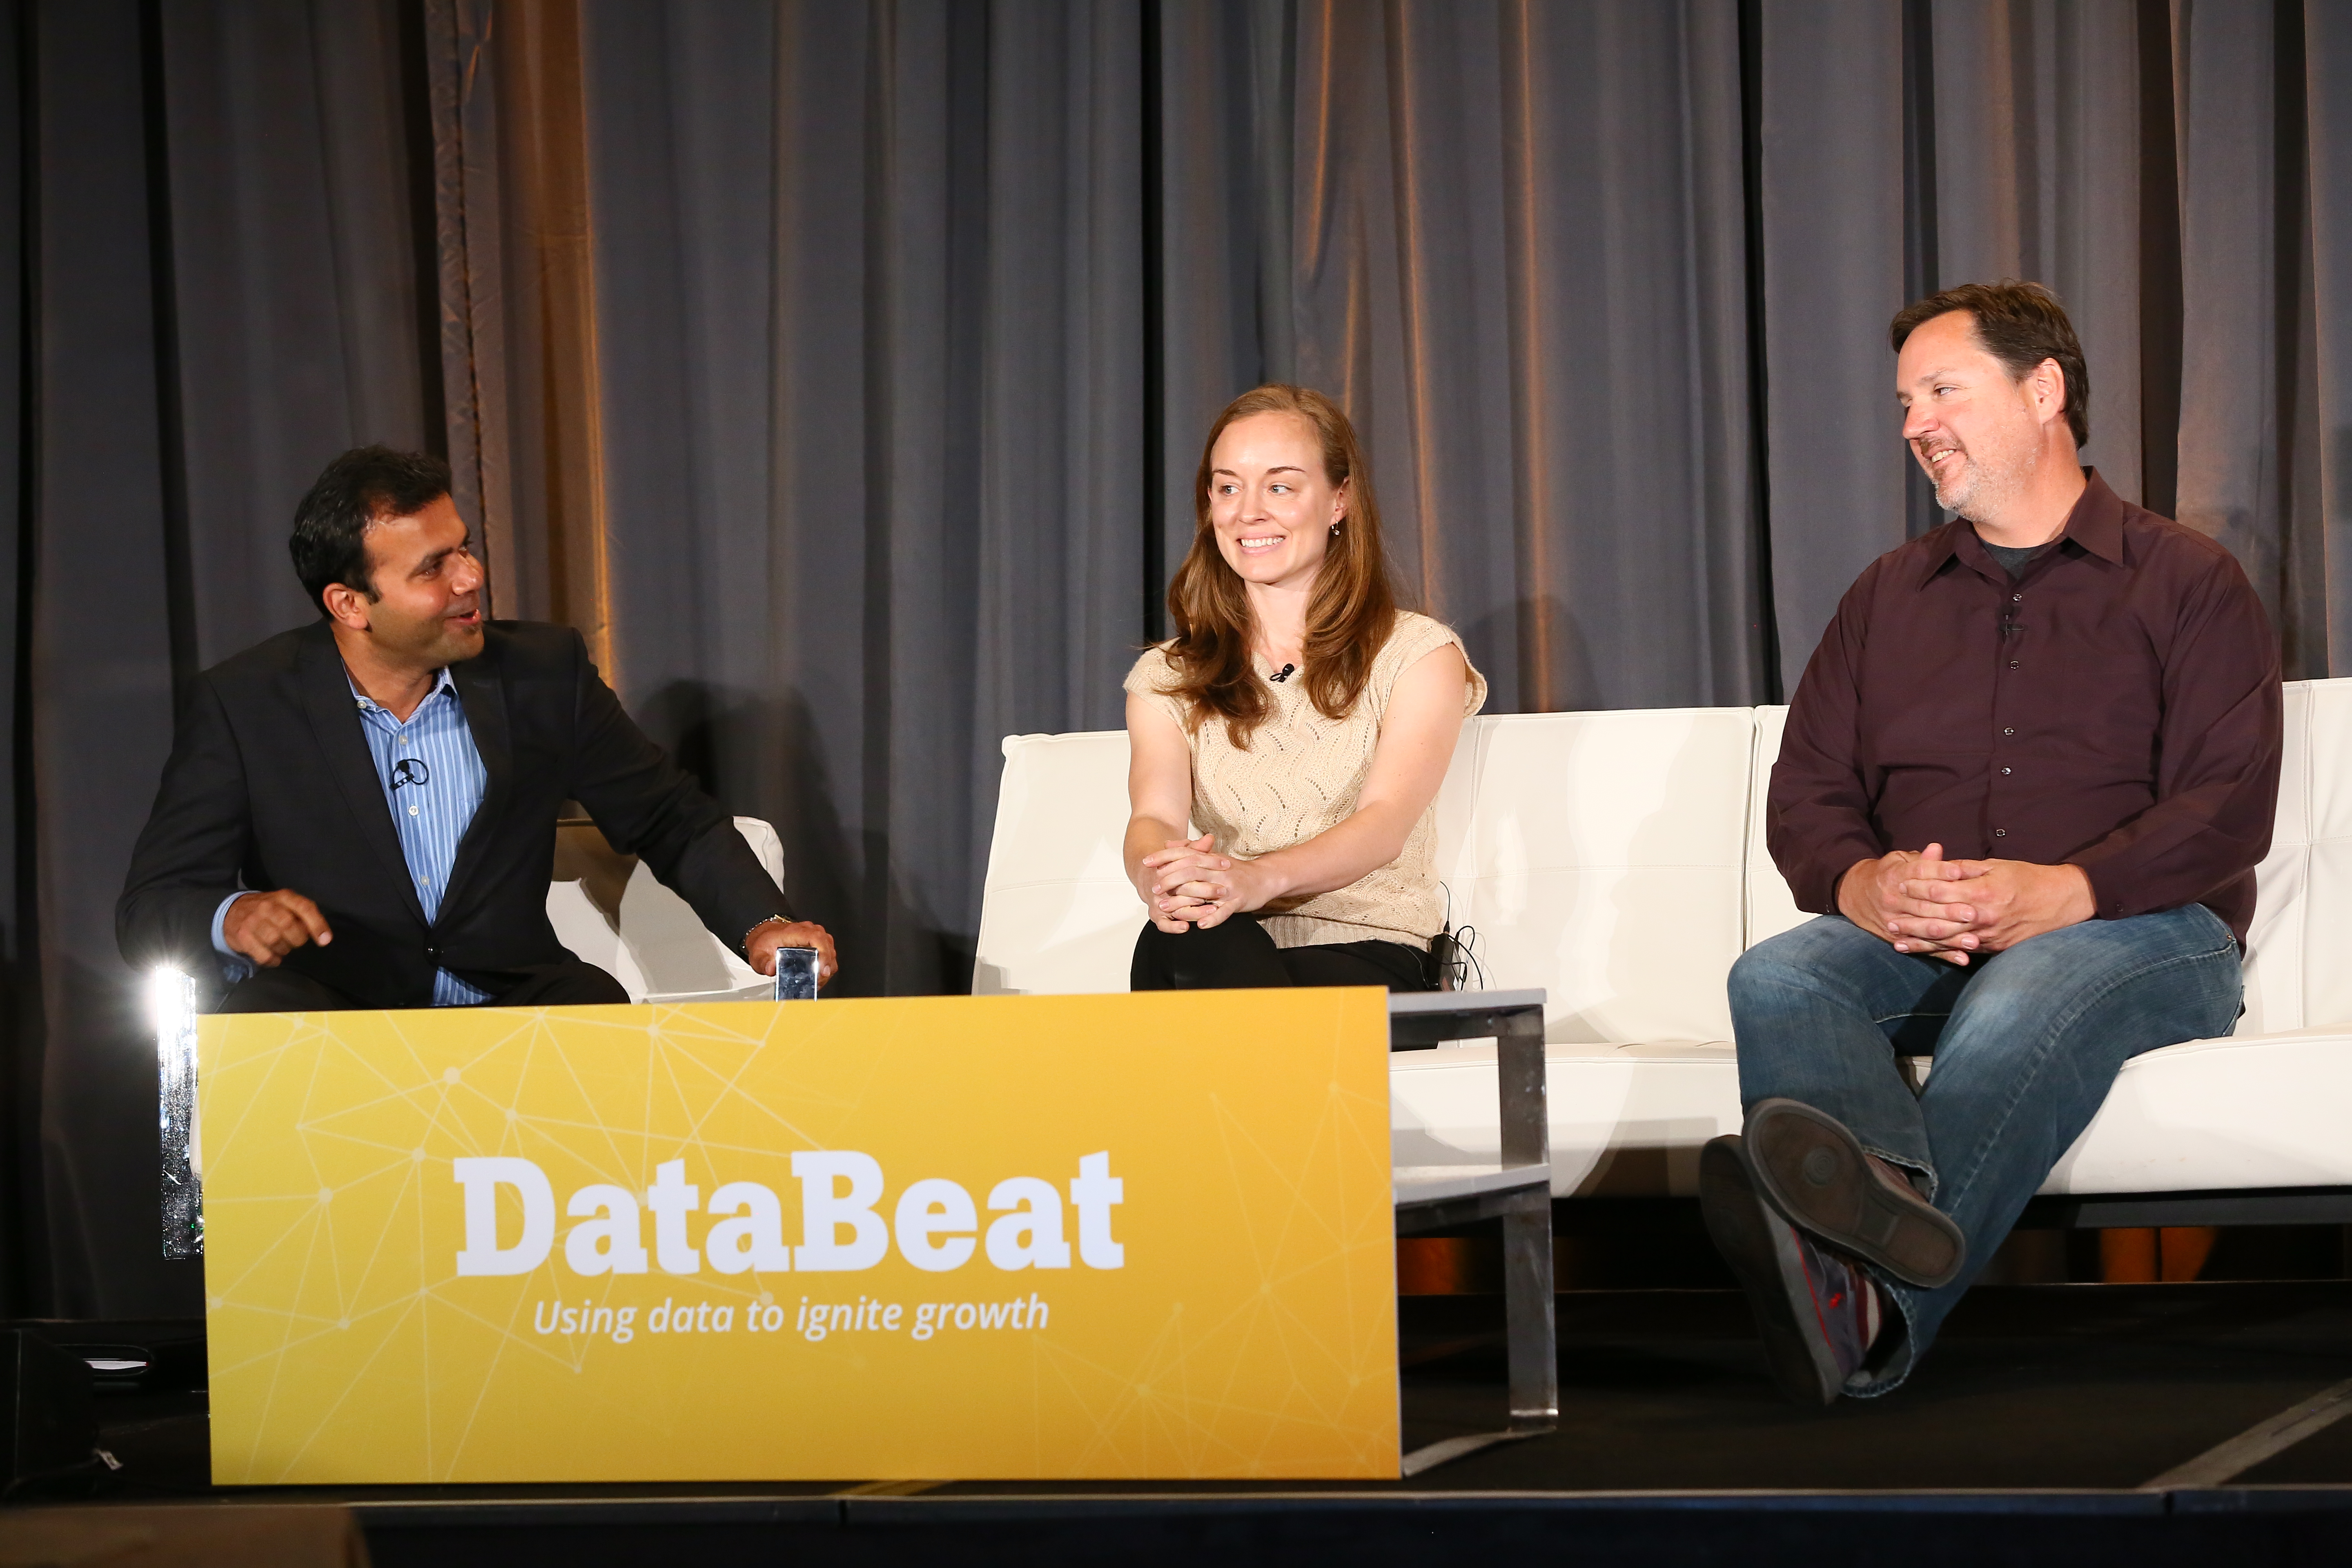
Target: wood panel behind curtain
521 371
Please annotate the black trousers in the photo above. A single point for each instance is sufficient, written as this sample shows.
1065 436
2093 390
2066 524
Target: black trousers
1238 955
572 984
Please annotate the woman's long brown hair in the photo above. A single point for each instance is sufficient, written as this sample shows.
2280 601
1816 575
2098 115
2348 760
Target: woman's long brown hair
1349 617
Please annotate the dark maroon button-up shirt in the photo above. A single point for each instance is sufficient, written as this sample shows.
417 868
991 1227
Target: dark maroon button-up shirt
2116 707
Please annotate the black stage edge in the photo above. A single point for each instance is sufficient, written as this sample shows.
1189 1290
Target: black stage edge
2057 1529
2029 1438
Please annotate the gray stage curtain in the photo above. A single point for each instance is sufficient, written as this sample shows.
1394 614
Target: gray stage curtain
1550 373
2327 306
840 368
218 236
879 269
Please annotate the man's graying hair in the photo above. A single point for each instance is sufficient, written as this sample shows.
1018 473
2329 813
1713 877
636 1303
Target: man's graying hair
2020 324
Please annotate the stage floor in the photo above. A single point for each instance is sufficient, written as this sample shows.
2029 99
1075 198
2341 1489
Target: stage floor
2071 1386
2053 1402
2034 1387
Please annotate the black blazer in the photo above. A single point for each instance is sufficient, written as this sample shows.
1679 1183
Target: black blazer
270 782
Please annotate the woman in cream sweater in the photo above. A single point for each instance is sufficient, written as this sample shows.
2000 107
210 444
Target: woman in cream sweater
1297 718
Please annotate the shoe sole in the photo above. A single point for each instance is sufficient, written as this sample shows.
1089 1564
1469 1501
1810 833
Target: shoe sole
1763 1255
1809 1168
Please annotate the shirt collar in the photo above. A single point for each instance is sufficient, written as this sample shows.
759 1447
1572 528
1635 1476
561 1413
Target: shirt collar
442 681
2096 524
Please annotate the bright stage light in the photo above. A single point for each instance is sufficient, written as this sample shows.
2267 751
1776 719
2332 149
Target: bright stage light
171 1003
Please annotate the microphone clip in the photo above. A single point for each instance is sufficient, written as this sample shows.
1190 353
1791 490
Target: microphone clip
1285 673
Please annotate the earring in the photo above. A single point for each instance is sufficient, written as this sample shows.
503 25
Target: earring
1335 530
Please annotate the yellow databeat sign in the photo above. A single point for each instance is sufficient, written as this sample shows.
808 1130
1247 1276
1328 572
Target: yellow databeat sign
933 1238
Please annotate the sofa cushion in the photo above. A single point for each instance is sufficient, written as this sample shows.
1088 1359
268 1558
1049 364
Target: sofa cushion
1056 913
1601 857
610 909
1770 908
2303 906
1626 1121
2262 1111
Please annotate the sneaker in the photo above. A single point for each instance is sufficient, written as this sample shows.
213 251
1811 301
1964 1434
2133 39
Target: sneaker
1818 1175
1817 1312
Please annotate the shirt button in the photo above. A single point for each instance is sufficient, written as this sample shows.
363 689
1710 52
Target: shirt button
2001 833
2012 664
2017 598
412 810
2009 731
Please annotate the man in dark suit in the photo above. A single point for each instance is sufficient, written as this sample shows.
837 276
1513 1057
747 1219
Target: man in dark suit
361 813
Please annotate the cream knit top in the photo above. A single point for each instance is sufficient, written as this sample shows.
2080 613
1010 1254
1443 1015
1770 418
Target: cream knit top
1300 777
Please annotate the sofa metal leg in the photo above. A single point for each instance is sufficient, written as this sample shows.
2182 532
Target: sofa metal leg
1432 1455
1529 1337
1527 1225
1530 1334
1527 1315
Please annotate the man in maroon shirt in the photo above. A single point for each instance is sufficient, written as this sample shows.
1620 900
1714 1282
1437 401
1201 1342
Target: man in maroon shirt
2025 783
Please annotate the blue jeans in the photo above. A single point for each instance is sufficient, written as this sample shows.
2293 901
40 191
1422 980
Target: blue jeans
2026 1045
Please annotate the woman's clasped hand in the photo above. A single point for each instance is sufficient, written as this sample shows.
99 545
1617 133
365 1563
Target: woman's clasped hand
1189 883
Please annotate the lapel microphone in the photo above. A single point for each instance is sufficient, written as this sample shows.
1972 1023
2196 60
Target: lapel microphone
1279 675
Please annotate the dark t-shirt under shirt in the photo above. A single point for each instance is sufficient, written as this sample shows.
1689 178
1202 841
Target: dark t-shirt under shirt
2014 558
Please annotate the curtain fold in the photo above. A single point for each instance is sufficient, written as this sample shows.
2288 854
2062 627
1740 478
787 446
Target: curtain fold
948 354
2225 112
1634 578
222 255
2036 121
520 368
293 283
1832 224
106 603
839 368
25 1267
2327 83
1061 397
1549 375
1218 282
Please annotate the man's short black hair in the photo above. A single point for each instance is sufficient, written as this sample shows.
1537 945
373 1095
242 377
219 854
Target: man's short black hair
365 485
2020 324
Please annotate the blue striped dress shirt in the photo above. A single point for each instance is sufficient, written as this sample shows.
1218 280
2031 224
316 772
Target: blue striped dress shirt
433 780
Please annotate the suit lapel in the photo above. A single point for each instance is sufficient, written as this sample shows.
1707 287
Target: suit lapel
334 718
484 695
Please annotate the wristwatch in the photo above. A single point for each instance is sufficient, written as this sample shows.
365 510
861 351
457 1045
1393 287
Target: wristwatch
744 947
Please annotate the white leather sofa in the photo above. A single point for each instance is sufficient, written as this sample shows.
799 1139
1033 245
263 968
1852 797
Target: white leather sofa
1617 860
611 910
